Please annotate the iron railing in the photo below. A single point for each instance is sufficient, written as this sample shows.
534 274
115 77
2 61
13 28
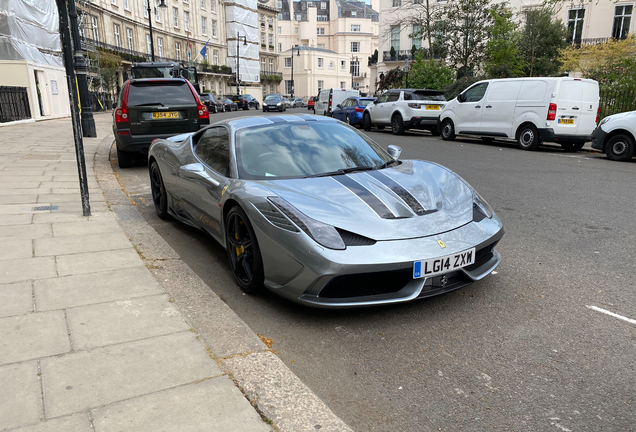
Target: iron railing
271 75
398 55
616 101
14 104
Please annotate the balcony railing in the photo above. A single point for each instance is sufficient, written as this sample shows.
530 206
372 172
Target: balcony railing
271 76
399 55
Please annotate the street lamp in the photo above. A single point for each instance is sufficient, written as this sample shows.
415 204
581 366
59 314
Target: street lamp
292 66
152 41
238 79
353 58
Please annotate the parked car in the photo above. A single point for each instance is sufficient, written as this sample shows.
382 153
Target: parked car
616 136
328 99
298 103
229 103
529 110
311 103
404 109
351 110
246 102
153 108
270 190
287 103
209 102
274 102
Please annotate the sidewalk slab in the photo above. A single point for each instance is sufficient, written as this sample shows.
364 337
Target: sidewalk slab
85 289
68 197
18 199
63 229
94 262
26 269
88 379
26 337
123 321
22 219
13 249
16 299
6 191
212 405
32 231
74 423
20 398
80 244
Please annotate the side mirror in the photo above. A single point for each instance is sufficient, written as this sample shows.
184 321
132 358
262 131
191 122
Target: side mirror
114 105
394 151
338 106
461 97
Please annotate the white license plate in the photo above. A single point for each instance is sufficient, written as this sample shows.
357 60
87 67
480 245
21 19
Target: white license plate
445 264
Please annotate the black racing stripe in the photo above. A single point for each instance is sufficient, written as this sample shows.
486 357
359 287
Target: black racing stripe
366 196
400 191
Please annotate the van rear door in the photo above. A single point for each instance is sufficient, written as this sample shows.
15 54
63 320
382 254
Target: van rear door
577 102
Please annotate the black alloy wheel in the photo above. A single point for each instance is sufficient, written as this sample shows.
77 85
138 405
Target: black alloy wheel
448 130
243 252
397 125
159 196
620 148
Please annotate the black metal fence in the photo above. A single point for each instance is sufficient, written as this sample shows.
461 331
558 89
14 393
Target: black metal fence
616 101
14 104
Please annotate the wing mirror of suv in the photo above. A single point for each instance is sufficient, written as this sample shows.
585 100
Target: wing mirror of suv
394 151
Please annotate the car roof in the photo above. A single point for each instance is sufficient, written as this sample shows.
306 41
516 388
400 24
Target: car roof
244 122
156 80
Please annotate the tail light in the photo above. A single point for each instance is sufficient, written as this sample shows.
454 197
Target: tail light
552 111
329 108
598 112
414 105
201 108
359 109
121 113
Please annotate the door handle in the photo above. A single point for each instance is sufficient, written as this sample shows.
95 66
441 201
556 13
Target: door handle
575 108
488 106
477 106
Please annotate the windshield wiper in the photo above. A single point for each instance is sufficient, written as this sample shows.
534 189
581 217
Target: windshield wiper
342 171
150 104
385 164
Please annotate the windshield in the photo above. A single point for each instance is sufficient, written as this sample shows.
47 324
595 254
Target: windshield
204 97
273 98
302 149
428 96
152 72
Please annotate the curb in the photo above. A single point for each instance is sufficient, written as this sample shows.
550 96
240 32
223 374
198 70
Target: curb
278 395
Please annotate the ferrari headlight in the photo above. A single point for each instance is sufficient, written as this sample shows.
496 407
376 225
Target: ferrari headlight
480 205
323 234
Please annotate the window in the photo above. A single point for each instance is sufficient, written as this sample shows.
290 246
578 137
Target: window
94 28
343 84
575 25
288 62
295 30
622 21
145 8
206 56
175 17
127 4
129 37
160 46
397 3
321 46
280 30
262 64
355 47
299 17
343 65
177 49
476 93
280 47
289 88
203 4
323 5
395 37
214 27
214 150
186 21
355 27
157 13
320 30
271 65
271 40
355 68
262 38
321 84
320 62
417 36
354 13
322 18
262 18
279 4
204 25
213 6
212 86
113 2
148 44
331 65
215 57
117 35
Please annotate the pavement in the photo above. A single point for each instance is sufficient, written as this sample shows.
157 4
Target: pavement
92 335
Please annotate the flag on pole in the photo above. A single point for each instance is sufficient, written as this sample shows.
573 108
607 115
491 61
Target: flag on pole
189 47
204 49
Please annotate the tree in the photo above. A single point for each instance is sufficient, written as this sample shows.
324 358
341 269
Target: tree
417 15
391 79
541 39
503 56
430 74
461 29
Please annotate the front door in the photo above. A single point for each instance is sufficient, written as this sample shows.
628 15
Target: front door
469 110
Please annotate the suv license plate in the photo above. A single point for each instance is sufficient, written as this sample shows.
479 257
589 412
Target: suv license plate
566 121
164 115
445 264
432 107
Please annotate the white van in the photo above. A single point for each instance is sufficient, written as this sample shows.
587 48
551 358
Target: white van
528 110
330 97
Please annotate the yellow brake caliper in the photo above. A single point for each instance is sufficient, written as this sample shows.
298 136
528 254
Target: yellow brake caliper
239 250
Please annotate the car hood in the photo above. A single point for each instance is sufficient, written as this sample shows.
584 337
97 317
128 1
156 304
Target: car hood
413 199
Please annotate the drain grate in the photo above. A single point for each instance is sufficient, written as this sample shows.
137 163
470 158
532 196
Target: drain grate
44 208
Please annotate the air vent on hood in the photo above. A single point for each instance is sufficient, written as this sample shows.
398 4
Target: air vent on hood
353 239
272 214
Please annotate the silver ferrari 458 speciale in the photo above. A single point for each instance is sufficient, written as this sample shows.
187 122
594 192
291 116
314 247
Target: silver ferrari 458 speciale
320 214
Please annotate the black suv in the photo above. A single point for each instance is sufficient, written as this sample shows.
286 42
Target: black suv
246 102
155 108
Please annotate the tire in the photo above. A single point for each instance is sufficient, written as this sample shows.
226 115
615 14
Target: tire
264 110
124 159
223 110
571 147
366 122
620 148
245 108
397 125
159 195
448 130
528 137
434 131
243 253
